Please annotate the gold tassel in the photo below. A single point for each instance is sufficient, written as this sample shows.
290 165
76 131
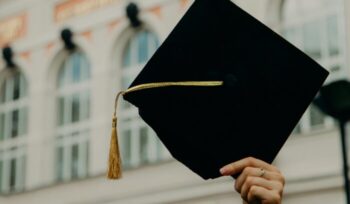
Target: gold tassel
114 161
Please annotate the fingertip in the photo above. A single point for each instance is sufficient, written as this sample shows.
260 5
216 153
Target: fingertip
227 170
223 171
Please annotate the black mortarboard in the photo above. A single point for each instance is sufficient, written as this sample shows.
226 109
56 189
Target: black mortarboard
222 87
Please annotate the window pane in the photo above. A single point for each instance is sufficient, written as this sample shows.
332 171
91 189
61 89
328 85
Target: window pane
144 145
25 119
59 163
88 105
1 174
126 147
22 126
126 81
16 87
291 36
22 171
14 128
85 106
20 121
60 111
84 67
139 48
76 68
23 86
75 108
12 174
142 47
127 56
154 44
86 158
63 76
312 39
160 148
333 35
3 92
2 126
9 89
74 161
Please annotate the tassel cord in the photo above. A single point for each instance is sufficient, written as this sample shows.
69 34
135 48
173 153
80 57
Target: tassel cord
114 161
116 103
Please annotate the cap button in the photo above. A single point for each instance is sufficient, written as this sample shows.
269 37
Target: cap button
230 81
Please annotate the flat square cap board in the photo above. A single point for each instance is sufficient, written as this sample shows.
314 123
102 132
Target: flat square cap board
223 87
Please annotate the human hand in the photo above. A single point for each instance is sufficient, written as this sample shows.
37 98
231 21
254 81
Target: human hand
258 182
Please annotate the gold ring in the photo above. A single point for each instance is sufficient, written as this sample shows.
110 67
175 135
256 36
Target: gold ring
262 172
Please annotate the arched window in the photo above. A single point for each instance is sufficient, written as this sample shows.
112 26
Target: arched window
13 130
73 114
139 144
317 28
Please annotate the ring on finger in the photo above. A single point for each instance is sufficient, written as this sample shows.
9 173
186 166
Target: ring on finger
262 172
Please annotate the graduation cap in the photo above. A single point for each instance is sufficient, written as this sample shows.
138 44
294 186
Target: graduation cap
222 87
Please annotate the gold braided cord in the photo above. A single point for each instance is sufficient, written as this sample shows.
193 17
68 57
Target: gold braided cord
114 161
116 103
165 84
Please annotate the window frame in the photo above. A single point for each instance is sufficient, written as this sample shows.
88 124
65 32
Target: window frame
128 115
13 148
71 133
297 23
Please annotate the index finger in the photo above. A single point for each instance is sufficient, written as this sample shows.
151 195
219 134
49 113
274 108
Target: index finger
238 166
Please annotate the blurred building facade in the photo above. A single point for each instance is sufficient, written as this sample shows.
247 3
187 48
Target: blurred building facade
56 106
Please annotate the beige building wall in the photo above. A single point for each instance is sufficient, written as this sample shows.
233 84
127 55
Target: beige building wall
310 161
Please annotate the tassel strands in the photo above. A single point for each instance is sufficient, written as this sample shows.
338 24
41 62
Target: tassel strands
114 161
